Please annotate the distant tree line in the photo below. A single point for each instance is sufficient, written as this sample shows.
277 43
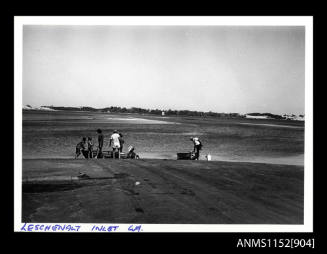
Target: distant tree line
169 112
137 110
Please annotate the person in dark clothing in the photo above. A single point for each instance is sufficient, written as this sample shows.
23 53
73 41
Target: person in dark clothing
197 147
90 147
100 143
121 141
81 147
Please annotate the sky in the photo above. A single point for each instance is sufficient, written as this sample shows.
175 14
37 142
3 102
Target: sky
231 69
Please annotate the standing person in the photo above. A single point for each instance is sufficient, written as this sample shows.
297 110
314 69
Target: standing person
121 142
114 139
90 147
197 147
100 144
81 147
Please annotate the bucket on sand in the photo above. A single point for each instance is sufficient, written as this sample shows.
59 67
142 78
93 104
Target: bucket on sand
208 156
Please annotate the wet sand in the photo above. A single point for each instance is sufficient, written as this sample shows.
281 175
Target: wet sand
161 191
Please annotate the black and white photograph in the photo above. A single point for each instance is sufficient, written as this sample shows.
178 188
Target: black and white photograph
163 124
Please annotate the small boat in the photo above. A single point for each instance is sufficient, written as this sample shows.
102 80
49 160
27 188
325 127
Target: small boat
118 155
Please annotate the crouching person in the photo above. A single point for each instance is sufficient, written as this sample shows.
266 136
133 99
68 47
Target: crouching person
131 153
81 148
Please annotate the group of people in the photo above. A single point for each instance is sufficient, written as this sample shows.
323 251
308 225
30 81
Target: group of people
86 146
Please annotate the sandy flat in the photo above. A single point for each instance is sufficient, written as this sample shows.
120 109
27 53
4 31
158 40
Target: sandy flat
161 191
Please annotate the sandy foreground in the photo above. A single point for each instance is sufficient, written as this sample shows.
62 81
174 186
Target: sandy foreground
161 191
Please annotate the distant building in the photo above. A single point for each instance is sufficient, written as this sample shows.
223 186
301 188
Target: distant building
256 117
163 113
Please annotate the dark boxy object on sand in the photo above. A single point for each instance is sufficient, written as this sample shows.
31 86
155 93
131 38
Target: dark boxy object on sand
185 156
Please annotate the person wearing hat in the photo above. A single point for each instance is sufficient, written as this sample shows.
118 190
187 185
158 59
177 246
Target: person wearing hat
197 147
115 140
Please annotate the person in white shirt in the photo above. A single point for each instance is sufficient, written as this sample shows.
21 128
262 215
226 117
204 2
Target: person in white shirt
114 139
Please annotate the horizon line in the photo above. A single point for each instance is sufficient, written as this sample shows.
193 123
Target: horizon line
164 110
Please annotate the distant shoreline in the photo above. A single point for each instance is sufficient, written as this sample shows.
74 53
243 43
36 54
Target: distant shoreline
135 110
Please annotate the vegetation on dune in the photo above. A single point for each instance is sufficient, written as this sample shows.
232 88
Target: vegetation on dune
168 112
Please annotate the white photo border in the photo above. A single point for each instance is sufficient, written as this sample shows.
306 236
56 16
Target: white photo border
306 21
